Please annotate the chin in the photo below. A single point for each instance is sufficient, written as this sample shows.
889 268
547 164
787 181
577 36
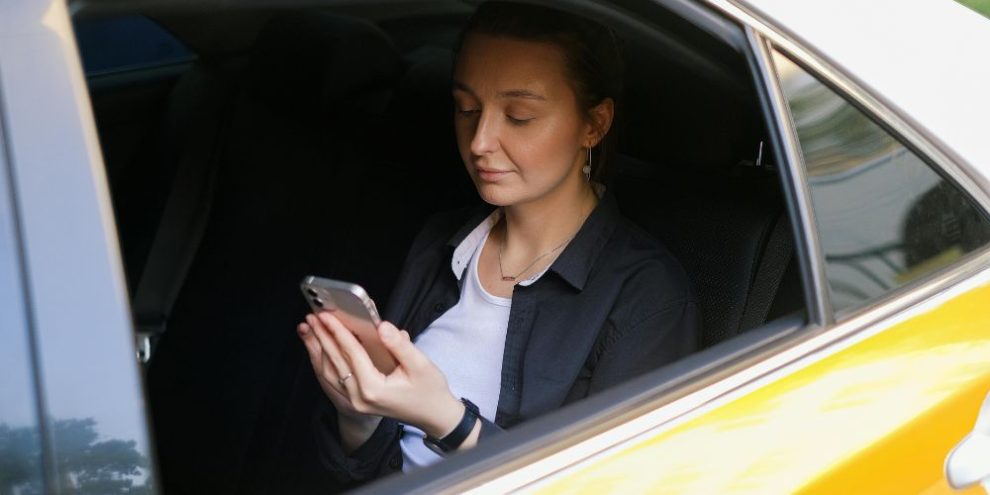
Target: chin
496 195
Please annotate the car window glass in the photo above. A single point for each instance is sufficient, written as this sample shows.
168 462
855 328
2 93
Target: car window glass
20 441
884 216
125 43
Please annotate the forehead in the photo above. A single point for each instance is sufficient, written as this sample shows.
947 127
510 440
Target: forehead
492 64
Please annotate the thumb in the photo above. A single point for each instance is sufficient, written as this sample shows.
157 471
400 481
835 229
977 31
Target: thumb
398 343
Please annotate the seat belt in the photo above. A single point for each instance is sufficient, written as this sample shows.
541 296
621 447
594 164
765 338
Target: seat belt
769 274
187 208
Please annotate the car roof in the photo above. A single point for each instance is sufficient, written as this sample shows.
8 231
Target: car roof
925 58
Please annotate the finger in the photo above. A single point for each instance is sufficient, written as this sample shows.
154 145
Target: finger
327 372
333 388
310 342
329 348
400 345
339 397
332 378
355 354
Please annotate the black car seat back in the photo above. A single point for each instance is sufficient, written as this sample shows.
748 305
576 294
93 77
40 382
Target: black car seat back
729 230
282 207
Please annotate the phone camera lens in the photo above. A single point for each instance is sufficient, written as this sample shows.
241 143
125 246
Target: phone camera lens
312 292
318 301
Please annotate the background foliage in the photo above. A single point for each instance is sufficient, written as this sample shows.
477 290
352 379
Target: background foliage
981 6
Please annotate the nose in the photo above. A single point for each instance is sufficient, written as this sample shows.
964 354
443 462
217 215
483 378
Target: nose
485 139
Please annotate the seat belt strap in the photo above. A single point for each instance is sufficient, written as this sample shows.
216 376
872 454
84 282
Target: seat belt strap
776 255
186 211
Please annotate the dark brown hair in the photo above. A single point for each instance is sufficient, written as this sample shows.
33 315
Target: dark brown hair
592 54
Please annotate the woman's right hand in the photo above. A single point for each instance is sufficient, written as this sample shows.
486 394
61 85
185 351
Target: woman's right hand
355 427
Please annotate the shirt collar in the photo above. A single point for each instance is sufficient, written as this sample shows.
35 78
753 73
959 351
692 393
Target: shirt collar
574 263
465 244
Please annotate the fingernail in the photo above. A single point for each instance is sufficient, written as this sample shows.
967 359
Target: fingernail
304 328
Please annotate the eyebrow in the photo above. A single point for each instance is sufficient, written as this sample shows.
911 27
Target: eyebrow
512 93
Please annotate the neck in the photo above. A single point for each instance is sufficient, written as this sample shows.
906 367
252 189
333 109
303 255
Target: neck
536 227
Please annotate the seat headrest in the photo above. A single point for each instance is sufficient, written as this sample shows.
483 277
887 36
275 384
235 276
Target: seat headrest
306 63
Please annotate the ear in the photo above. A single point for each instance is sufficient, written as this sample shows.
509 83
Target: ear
601 121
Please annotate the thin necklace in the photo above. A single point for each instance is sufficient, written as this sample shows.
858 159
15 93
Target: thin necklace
512 278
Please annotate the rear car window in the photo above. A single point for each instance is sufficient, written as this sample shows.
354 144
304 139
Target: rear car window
126 43
884 216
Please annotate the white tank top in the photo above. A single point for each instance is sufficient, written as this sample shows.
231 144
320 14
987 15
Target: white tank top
466 343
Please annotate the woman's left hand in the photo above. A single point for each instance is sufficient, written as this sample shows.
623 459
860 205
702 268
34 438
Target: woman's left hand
415 393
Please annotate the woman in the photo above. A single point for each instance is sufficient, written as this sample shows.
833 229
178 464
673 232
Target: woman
546 299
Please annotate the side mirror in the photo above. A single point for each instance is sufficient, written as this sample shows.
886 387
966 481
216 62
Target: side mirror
969 462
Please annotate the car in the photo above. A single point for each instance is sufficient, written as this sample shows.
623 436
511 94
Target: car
171 170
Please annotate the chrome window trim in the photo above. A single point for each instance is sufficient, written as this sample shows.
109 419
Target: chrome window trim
804 225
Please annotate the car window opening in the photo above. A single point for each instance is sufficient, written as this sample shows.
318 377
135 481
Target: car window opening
295 137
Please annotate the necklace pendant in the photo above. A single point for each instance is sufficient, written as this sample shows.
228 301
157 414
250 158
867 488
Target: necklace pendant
508 279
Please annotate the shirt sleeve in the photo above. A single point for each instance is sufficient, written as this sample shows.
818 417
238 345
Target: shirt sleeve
378 456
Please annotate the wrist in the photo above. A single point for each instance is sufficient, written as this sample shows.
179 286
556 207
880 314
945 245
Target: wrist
445 419
465 430
360 423
355 431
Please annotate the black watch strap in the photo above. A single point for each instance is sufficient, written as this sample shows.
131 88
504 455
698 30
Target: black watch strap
455 438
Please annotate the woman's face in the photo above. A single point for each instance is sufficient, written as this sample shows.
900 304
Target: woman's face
519 129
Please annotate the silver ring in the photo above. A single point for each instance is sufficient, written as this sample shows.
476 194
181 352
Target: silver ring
344 379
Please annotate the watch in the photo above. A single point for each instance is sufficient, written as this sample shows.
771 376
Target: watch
455 438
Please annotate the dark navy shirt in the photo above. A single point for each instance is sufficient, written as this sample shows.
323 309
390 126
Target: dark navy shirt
613 305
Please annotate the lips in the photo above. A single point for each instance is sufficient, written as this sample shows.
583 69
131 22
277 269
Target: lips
490 175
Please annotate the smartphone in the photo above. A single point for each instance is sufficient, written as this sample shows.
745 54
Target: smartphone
352 306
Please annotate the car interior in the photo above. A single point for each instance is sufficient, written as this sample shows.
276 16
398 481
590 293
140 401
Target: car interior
316 138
